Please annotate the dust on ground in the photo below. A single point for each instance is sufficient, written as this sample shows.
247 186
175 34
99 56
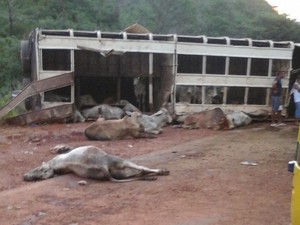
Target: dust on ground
208 185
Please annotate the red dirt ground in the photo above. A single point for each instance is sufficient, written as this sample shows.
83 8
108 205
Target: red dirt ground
208 185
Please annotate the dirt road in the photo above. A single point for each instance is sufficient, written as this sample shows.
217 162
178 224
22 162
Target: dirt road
208 185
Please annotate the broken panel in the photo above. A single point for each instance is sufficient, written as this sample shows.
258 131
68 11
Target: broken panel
88 63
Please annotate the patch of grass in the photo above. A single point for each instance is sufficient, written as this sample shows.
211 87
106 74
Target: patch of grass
12 113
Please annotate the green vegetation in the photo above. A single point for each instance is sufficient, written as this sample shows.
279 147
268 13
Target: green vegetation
234 18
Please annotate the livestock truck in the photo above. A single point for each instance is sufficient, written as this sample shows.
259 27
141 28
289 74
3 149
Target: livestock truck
183 73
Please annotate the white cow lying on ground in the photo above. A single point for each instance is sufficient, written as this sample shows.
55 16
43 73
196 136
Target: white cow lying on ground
105 111
237 119
153 124
92 162
109 112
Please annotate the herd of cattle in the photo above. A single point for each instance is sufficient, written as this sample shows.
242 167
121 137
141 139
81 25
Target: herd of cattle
118 122
125 120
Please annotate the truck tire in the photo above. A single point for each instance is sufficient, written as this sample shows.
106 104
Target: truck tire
25 54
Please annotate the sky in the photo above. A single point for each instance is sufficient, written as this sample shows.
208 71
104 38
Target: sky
289 7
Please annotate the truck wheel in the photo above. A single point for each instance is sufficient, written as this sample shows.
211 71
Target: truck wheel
25 54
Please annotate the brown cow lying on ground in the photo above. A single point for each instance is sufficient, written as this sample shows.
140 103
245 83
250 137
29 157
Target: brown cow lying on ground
116 129
211 119
92 162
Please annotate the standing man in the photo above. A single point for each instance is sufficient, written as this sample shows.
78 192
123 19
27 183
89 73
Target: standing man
276 100
296 91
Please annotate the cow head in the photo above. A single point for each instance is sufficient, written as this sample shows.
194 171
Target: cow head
43 172
132 122
164 111
134 115
237 119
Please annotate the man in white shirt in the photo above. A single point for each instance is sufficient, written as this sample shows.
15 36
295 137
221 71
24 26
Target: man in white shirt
296 91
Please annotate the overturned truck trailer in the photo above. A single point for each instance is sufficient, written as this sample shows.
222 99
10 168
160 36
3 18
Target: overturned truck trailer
184 73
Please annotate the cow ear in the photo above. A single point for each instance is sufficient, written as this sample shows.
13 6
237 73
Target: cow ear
128 113
158 113
164 110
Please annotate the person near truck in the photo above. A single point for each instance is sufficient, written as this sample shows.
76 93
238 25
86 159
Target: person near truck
296 92
276 96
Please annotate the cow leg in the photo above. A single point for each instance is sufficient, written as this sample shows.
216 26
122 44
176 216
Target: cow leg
103 174
146 135
61 149
152 131
132 179
145 170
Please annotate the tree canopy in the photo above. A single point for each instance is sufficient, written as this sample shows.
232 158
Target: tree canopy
254 19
